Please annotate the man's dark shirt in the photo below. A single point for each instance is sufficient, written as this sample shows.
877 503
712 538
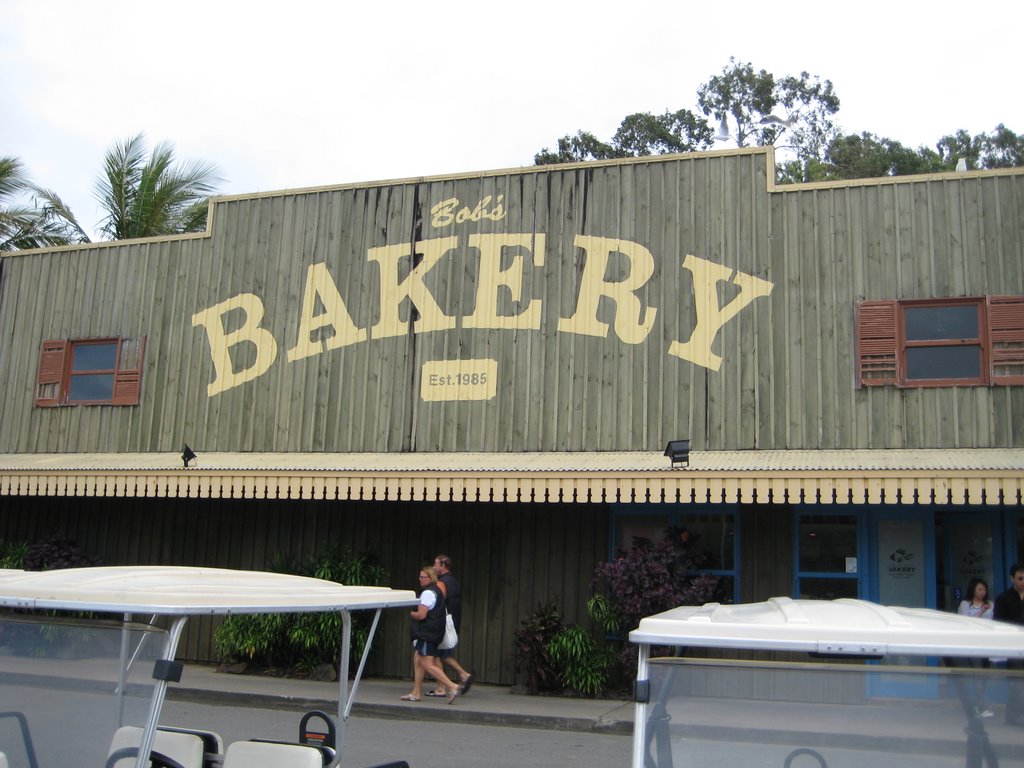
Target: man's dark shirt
454 599
1009 607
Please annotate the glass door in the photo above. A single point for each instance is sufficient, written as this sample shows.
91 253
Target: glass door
902 572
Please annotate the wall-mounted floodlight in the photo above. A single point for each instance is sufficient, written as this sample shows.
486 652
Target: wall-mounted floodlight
678 452
187 454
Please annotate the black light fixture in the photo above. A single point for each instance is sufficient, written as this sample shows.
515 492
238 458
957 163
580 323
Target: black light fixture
187 454
678 452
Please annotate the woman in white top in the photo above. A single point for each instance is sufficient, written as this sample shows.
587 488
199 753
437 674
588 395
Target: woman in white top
978 605
976 602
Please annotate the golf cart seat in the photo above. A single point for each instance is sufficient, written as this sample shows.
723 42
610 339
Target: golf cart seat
184 747
270 754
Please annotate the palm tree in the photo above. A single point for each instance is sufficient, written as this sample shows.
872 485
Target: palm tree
24 223
151 197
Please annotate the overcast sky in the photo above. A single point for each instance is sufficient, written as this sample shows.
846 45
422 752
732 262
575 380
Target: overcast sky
305 93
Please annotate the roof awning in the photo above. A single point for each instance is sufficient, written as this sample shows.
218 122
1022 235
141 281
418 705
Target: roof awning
967 476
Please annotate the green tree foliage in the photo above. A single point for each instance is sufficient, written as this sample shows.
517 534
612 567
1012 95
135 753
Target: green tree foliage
639 134
795 113
752 107
152 196
142 196
30 216
865 155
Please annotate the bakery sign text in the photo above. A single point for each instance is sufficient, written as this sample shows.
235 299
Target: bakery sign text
323 306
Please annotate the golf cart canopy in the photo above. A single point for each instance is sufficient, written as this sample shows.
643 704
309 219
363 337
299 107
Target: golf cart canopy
184 591
64 669
833 627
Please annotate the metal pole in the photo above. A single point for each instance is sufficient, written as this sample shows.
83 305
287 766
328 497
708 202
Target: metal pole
159 692
640 712
346 642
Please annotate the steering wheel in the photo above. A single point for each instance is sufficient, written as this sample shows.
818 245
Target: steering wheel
156 759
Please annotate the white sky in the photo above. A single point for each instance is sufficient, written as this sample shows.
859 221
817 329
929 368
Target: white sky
307 93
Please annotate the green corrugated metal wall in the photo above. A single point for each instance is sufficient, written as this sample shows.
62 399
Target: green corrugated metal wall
786 380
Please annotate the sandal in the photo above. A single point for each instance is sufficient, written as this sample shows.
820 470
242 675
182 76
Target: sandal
452 695
436 694
410 697
466 684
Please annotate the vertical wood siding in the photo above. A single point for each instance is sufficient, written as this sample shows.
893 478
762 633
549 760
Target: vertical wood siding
508 558
787 378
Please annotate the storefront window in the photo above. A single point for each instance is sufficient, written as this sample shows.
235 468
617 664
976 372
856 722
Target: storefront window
827 557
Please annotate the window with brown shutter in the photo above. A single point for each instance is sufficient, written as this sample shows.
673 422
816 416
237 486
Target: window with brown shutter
51 372
973 341
876 343
106 371
1006 334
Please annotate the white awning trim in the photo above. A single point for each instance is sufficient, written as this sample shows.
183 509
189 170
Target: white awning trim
956 477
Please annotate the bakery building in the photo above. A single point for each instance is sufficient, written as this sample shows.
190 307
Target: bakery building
492 365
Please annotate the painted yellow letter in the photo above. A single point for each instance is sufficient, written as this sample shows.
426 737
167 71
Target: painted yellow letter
632 321
711 317
225 377
320 284
493 277
392 292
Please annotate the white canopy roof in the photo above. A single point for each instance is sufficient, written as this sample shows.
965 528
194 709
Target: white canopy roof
188 591
847 627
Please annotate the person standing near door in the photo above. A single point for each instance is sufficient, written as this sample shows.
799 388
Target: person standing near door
1009 607
979 606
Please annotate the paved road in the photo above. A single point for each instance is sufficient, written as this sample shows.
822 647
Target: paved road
370 741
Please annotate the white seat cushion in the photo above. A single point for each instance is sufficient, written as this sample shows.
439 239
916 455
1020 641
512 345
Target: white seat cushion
186 748
262 754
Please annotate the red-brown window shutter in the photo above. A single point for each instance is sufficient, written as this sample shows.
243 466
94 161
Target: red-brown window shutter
1006 339
876 343
128 381
52 356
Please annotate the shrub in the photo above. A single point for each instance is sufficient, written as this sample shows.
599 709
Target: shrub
303 640
532 655
581 663
649 578
56 552
12 554
652 577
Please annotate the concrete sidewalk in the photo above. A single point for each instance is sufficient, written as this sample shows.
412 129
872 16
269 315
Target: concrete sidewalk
485 704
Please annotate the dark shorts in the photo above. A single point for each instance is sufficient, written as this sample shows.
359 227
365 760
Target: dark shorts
445 653
423 648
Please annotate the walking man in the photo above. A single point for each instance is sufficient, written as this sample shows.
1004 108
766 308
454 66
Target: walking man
443 564
1009 606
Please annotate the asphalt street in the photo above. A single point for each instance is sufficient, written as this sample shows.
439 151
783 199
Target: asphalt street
423 743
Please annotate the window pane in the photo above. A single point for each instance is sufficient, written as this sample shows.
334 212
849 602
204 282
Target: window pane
93 386
826 541
827 589
713 539
944 362
647 526
94 357
937 323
